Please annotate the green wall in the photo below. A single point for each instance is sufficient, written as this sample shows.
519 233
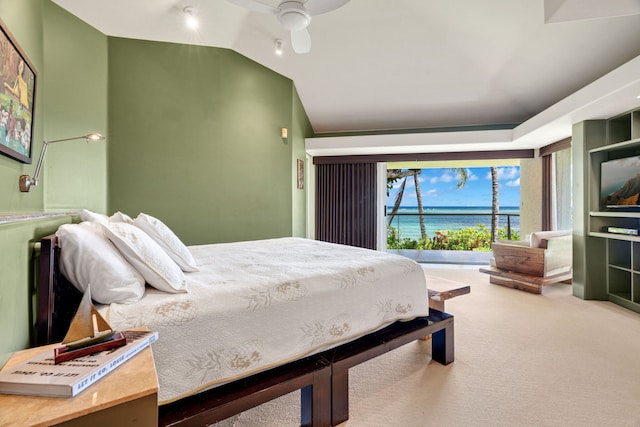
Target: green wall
301 129
75 103
71 99
70 96
16 276
23 19
194 139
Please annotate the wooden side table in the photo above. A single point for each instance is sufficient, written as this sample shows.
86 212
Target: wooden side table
126 396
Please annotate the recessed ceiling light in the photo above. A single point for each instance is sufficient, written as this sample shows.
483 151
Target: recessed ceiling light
190 17
279 47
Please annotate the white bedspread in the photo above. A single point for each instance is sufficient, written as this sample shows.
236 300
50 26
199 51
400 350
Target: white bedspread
254 305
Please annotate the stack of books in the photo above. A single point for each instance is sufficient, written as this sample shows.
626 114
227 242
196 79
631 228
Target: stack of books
41 376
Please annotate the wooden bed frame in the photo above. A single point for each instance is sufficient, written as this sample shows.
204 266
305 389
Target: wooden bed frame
322 378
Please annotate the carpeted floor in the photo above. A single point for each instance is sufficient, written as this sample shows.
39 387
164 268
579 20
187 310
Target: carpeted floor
521 360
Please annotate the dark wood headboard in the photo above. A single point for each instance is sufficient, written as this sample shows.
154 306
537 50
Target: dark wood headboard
57 298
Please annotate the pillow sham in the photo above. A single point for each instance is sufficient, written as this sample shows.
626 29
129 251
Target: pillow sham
146 256
89 216
167 240
89 258
120 217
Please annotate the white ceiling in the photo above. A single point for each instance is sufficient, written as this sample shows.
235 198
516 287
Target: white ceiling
414 64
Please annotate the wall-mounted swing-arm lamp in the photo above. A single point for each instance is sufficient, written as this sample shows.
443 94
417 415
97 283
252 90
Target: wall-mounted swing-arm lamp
26 181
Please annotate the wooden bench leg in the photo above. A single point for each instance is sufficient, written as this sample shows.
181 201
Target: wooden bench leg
437 299
442 349
339 397
316 401
348 355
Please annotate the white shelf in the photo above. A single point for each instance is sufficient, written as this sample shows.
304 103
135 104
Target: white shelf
614 236
614 214
617 146
619 267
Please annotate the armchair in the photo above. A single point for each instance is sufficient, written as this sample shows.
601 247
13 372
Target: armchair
530 264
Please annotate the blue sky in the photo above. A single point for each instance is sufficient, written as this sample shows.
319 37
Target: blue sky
438 188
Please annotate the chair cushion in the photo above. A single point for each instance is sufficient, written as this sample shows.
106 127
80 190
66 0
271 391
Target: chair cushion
537 238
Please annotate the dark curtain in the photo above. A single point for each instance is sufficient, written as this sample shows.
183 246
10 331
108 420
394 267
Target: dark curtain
346 204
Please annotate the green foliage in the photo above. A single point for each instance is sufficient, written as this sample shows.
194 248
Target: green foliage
392 178
502 234
394 242
464 239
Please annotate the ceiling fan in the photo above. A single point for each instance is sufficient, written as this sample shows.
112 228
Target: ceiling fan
295 16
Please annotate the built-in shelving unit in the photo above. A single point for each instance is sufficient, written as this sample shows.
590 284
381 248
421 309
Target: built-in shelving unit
623 272
622 139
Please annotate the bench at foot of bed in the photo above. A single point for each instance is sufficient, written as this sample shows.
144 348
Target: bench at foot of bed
438 324
311 375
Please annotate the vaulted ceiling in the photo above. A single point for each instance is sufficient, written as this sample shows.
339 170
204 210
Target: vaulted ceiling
413 64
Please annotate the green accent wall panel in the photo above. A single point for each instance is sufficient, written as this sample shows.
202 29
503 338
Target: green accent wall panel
589 253
301 129
195 141
24 18
70 59
75 101
17 302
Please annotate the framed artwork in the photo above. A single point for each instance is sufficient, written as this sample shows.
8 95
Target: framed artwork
300 174
17 97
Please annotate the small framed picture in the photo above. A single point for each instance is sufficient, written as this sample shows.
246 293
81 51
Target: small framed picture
300 174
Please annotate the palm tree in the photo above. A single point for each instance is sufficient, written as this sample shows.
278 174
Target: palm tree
416 180
394 174
462 176
398 200
494 203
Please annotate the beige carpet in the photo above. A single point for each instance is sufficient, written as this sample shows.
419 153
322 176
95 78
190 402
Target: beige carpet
521 360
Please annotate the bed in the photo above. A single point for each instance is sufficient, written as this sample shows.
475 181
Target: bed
260 319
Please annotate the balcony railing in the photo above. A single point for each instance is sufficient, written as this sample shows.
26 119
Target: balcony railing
396 223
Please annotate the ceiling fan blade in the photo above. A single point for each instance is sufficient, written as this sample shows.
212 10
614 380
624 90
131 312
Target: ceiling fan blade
255 5
301 41
316 7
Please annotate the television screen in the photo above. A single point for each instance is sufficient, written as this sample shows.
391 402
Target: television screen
620 183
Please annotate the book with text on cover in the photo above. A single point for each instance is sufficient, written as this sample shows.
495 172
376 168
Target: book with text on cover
40 376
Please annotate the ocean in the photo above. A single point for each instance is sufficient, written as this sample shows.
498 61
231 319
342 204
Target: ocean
450 218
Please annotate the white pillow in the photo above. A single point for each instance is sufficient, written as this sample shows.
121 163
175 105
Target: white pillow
87 215
87 257
120 217
157 268
167 240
